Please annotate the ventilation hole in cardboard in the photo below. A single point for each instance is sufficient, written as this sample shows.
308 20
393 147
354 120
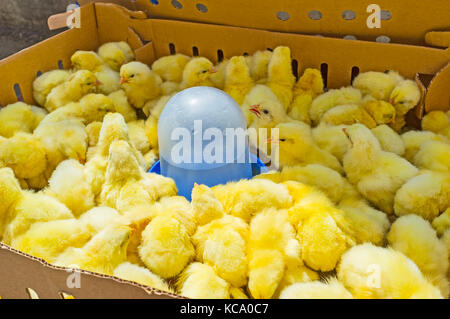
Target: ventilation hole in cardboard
349 15
270 49
18 92
295 68
385 15
324 71
154 2
355 72
172 48
219 55
245 54
349 37
60 65
201 7
194 51
176 4
32 294
38 73
315 15
283 15
383 39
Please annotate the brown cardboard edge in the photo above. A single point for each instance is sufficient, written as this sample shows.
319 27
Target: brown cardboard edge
439 91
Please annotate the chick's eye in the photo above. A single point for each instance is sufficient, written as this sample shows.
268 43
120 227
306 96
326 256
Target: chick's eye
89 83
265 112
132 75
204 71
282 140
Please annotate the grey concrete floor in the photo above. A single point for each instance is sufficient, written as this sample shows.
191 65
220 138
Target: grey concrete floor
24 22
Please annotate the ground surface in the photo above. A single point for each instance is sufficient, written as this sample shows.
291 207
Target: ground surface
24 22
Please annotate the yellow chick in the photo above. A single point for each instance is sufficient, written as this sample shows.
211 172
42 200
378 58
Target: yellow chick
379 85
332 139
30 209
102 254
434 155
218 77
324 102
296 147
372 272
197 72
170 68
376 174
116 54
77 85
93 133
46 82
442 223
404 98
307 88
199 281
17 117
437 122
258 64
414 237
413 140
205 205
25 154
426 195
68 184
246 198
332 289
141 275
238 81
10 193
389 140
382 112
348 114
121 105
281 79
138 135
166 248
50 239
98 218
139 83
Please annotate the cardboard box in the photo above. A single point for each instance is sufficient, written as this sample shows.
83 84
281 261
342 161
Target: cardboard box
340 60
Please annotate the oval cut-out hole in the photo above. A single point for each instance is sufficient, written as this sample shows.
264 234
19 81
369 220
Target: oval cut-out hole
349 15
295 68
315 15
383 39
172 48
385 15
324 71
270 49
38 73
177 4
154 2
220 55
355 72
245 54
283 15
60 65
201 7
18 92
194 51
349 37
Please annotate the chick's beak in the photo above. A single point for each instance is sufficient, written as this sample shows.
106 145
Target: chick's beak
98 83
272 140
256 109
213 70
123 80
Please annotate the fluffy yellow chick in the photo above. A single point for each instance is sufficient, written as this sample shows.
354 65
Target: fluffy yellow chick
197 72
427 195
389 140
102 254
141 275
116 54
138 135
238 81
10 193
307 88
69 184
48 240
332 289
205 205
374 272
434 155
413 140
437 122
404 98
17 117
166 248
382 112
25 154
297 147
348 114
258 64
46 82
121 105
376 174
77 85
98 218
377 84
281 79
414 237
332 139
30 209
139 83
93 133
199 281
218 77
442 223
332 98
247 198
171 67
